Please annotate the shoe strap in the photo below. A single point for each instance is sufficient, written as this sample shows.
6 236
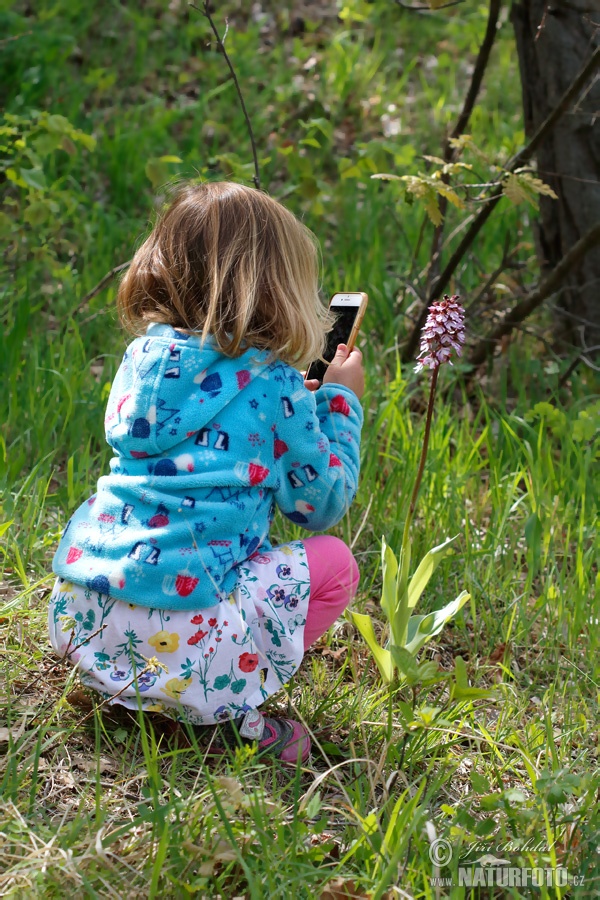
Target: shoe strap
253 726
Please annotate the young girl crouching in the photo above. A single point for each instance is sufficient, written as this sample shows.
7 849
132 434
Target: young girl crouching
212 427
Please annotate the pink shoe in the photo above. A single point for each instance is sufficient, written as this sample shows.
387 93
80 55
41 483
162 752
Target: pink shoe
285 739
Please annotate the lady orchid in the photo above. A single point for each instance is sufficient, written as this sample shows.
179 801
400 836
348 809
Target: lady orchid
443 333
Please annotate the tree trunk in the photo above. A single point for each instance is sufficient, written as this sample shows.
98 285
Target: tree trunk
554 39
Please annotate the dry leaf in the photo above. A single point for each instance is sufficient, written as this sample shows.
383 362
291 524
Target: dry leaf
96 370
497 654
224 852
233 788
513 189
91 764
340 889
334 654
206 869
80 700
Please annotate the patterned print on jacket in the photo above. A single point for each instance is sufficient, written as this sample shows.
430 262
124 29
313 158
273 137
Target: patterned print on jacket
205 447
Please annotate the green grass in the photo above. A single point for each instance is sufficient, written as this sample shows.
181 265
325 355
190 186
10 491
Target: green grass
96 805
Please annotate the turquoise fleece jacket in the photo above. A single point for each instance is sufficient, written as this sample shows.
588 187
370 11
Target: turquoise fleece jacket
205 447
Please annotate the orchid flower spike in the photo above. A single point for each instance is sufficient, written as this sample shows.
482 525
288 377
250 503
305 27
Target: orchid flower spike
443 332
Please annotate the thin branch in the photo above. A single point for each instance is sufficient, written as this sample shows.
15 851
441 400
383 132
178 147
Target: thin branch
569 370
516 162
205 11
102 284
491 280
548 124
14 37
427 8
534 299
481 64
68 651
532 331
106 279
449 152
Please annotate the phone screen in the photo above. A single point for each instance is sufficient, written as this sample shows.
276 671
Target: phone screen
345 317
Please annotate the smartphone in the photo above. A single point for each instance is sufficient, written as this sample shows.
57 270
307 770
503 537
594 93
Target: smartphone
348 309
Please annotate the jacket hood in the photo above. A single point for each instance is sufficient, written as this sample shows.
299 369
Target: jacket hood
169 386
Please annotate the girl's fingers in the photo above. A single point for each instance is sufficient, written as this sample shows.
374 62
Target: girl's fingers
312 384
340 354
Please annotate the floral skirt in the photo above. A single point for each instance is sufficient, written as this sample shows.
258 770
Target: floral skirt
196 667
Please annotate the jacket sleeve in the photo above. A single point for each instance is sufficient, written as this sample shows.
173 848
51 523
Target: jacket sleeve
317 451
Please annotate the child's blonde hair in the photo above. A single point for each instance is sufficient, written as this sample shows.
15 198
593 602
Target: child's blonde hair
230 261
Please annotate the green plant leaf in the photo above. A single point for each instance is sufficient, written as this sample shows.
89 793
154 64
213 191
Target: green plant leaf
403 612
422 628
34 178
382 657
586 426
425 570
406 663
382 176
88 140
158 169
405 713
310 142
414 672
389 591
4 526
45 143
533 537
556 787
429 672
480 783
461 689
57 124
37 212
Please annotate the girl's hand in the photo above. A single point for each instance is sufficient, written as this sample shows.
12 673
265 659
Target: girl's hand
346 368
312 384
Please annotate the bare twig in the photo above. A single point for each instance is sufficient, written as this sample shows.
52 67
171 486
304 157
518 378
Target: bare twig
106 279
205 11
427 8
449 152
68 651
569 370
491 280
534 299
580 358
102 284
516 162
481 64
14 37
363 522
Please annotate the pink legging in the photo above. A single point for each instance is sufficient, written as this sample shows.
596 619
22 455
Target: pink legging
333 583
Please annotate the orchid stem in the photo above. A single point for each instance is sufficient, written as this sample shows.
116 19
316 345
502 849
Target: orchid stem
413 499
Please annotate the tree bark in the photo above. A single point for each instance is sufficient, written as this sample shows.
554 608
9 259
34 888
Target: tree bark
554 39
